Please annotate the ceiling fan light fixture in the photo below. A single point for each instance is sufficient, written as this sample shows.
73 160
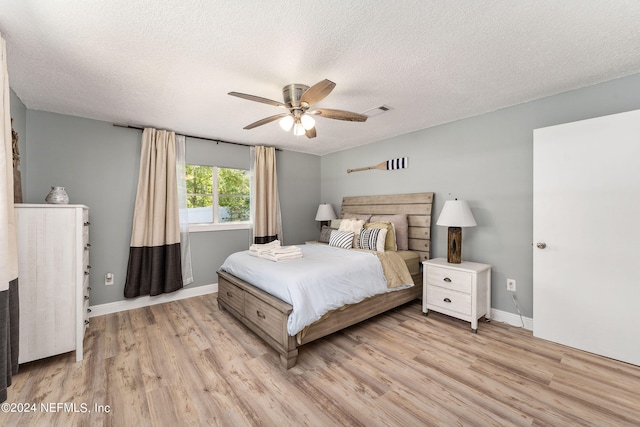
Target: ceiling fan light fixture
286 123
298 129
307 121
299 98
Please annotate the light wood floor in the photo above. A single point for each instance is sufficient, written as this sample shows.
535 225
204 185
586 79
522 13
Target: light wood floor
188 363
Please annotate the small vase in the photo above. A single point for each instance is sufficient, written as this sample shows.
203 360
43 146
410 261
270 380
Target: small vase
57 196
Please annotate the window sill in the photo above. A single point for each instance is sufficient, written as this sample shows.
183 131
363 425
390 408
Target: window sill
198 228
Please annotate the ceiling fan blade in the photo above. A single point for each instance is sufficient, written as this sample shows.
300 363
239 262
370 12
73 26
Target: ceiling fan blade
338 115
258 99
311 133
317 92
265 121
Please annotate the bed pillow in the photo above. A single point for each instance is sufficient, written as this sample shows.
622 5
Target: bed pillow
390 235
335 223
372 239
401 227
353 225
363 217
325 234
341 239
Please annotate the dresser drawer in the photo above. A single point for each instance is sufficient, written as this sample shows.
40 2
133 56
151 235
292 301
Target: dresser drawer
268 318
85 309
231 295
85 286
449 279
459 302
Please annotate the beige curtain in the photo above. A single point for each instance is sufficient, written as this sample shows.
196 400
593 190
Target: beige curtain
154 257
9 308
267 223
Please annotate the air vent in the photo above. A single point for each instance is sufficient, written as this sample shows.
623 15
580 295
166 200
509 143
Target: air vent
378 110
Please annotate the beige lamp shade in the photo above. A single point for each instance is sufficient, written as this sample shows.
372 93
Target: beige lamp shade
325 212
456 213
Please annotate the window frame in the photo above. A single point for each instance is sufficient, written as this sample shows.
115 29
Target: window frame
216 225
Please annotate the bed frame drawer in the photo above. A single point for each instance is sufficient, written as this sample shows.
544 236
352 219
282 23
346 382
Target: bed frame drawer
231 295
268 318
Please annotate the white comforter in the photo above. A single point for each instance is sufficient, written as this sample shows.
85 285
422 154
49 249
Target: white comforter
324 279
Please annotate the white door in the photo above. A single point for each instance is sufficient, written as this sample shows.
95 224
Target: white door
586 209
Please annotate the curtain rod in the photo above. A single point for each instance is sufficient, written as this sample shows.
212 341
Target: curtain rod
190 136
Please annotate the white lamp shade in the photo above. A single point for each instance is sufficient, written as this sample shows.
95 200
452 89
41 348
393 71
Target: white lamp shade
456 213
325 212
307 121
298 130
286 123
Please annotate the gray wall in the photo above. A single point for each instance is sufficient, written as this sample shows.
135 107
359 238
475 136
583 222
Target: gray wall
486 160
98 165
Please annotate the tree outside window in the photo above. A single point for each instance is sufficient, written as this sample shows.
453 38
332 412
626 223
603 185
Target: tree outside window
217 195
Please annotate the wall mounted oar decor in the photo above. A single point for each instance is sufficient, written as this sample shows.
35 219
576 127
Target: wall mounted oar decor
393 164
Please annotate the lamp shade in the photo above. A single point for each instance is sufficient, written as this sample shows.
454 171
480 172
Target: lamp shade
286 123
456 213
307 121
298 129
325 212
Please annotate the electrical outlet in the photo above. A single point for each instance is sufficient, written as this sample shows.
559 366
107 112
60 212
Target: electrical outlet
108 279
511 285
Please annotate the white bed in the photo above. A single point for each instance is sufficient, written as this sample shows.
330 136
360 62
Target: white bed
266 306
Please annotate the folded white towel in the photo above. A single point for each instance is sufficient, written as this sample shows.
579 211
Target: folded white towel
274 252
286 250
265 246
280 257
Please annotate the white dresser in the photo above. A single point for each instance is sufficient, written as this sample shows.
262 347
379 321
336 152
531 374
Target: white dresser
53 258
458 290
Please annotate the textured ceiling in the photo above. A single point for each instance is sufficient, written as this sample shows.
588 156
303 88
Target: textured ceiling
170 64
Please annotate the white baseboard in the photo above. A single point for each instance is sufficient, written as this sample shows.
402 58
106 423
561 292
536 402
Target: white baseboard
145 301
511 319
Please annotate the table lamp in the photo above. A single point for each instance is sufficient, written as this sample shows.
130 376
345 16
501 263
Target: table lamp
325 214
455 214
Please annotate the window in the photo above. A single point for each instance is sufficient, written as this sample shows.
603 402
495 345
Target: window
217 198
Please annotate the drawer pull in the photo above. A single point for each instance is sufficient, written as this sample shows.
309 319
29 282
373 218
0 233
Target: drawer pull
86 273
446 279
86 322
446 300
87 223
88 310
260 315
229 294
86 297
89 288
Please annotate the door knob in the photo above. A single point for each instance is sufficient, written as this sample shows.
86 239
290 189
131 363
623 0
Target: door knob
541 245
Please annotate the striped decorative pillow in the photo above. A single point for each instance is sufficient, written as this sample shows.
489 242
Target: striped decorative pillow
341 239
372 239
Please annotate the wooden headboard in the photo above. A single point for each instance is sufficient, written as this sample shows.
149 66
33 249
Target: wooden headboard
417 207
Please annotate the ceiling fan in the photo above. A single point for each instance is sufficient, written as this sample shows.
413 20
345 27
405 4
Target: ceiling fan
298 100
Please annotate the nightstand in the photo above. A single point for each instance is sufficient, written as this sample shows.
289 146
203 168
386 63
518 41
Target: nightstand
458 290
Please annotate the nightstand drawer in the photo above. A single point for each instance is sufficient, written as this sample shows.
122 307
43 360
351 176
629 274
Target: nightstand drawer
448 278
459 302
